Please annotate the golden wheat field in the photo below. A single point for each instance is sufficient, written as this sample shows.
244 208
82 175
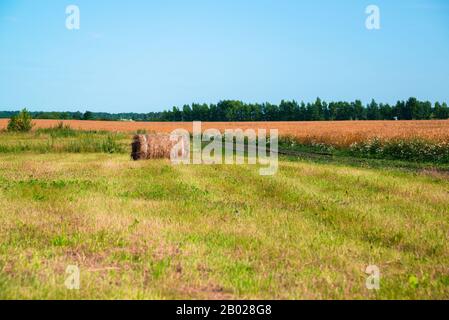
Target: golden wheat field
342 133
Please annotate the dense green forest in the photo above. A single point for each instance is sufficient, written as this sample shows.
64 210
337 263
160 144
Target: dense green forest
231 110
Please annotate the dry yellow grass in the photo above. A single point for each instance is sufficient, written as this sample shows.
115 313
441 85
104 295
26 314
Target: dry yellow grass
341 133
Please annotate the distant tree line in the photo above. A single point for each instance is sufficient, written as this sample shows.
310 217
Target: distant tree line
88 115
232 110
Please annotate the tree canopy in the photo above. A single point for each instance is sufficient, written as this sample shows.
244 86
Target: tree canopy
234 110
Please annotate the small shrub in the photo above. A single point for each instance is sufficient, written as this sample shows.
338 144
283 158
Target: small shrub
21 122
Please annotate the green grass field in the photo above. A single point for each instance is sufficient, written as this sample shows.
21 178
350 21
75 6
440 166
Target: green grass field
150 230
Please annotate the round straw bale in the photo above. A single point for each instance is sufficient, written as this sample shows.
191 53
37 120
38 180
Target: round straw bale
153 146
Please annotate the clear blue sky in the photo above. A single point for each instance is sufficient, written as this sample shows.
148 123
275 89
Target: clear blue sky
146 56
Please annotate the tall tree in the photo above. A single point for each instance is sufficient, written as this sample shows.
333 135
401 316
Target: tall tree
372 111
386 112
359 110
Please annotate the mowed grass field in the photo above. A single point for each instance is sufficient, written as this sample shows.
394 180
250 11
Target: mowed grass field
151 230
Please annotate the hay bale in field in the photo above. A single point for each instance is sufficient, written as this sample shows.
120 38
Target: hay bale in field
152 146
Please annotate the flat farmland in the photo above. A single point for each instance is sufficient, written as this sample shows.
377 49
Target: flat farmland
153 230
150 230
333 132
